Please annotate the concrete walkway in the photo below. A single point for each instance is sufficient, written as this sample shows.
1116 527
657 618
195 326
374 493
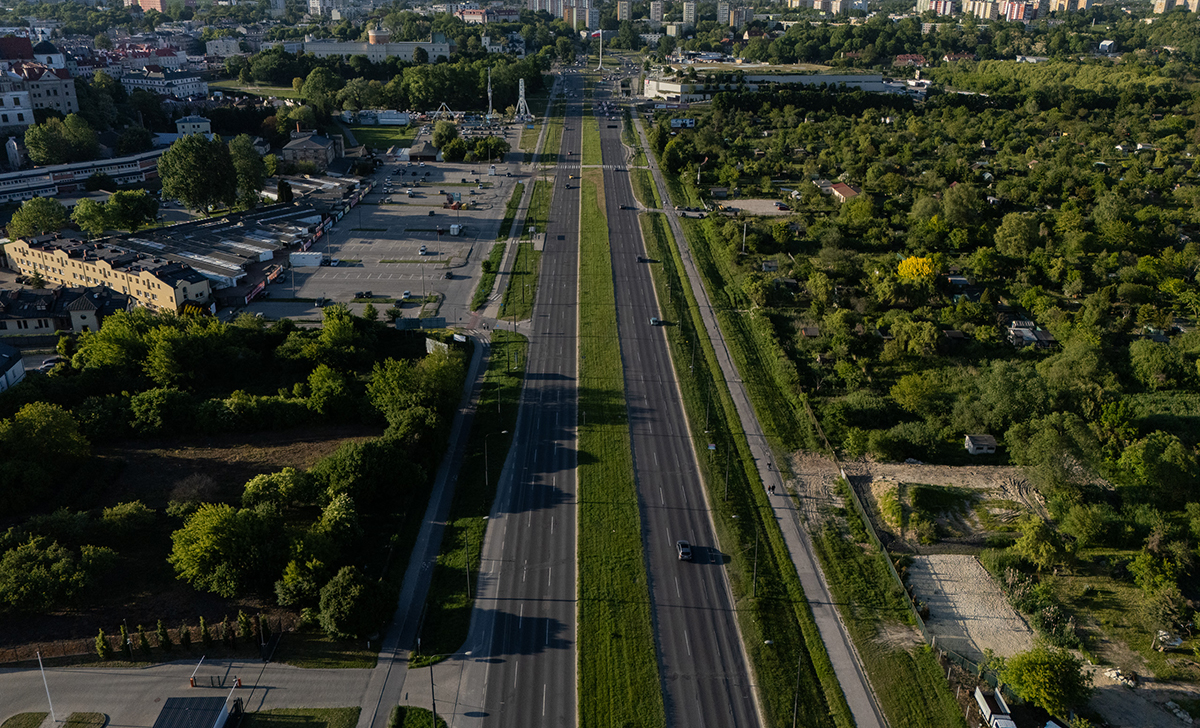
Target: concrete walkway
846 664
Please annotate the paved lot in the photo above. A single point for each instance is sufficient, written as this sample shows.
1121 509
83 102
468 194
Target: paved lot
378 243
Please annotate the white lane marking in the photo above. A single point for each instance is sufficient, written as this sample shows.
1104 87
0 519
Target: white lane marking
549 573
516 669
687 642
524 571
543 700
551 525
521 618
661 498
677 592
656 459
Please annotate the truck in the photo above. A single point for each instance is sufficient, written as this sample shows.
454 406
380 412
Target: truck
305 260
456 230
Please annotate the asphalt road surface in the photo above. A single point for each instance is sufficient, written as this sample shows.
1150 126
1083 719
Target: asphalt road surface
529 674
702 664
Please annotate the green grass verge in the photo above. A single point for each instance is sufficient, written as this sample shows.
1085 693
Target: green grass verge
618 669
538 213
510 211
405 716
448 604
302 718
910 684
644 188
552 149
521 291
85 720
591 137
487 279
311 649
383 137
232 85
25 720
777 611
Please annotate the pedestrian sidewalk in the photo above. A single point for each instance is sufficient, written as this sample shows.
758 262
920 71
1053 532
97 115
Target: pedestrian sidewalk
846 664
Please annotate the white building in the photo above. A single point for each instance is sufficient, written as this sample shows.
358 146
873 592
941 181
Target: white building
193 125
16 108
179 84
223 47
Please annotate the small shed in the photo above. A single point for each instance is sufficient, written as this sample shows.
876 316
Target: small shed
981 444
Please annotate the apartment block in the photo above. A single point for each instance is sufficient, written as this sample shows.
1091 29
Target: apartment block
623 10
739 17
656 11
722 13
49 88
156 283
982 9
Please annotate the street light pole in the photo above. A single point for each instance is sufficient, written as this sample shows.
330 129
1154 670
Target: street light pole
485 455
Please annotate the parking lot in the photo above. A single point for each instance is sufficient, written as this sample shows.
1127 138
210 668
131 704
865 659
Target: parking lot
378 245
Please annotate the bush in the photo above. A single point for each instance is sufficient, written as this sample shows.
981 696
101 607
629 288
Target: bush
103 648
228 551
164 639
350 607
185 636
104 418
162 411
125 519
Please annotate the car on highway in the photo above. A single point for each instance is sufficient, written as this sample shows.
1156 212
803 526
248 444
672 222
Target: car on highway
684 549
654 321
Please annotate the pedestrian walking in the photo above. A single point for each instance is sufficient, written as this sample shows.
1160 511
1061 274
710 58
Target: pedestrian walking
771 489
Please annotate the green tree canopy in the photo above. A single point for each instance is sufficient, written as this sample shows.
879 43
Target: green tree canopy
199 172
1050 678
229 552
443 133
56 141
249 168
36 217
350 606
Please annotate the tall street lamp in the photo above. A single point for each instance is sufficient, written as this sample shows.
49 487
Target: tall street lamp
432 694
485 455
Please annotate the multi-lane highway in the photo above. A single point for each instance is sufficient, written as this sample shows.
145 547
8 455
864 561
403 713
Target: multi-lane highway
704 672
523 638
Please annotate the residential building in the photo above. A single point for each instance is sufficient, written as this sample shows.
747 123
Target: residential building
309 147
843 192
61 178
739 17
48 87
1026 333
12 367
689 14
180 84
378 51
223 47
982 9
46 52
623 10
723 13
193 125
16 108
980 445
13 48
154 59
941 7
1108 46
656 11
154 282
910 59
46 310
1069 6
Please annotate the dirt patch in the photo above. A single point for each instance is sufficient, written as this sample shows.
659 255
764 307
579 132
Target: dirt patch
968 613
1143 707
812 478
755 207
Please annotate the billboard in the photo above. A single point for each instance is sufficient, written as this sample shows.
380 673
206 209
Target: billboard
683 123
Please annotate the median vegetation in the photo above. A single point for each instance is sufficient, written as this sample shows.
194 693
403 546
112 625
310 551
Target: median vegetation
487 277
448 606
618 668
522 284
510 212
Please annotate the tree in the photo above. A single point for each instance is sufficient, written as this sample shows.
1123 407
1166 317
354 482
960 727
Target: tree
420 55
350 607
90 217
135 139
1038 543
36 217
227 551
62 141
443 133
1050 678
102 41
130 209
1016 235
455 150
103 647
199 172
566 49
249 168
491 148
283 191
320 89
185 636
164 639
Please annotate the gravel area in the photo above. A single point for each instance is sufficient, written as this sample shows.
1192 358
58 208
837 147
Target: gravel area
967 611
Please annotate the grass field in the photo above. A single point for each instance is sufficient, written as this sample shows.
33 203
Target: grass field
510 211
302 718
591 137
310 648
773 615
405 716
552 148
448 605
232 85
644 188
382 137
487 280
618 671
85 720
25 720
539 209
521 291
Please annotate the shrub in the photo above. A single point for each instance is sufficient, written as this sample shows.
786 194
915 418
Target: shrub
185 636
164 639
206 637
103 648
162 411
350 607
125 519
143 641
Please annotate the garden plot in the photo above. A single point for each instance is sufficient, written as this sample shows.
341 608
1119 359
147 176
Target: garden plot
967 611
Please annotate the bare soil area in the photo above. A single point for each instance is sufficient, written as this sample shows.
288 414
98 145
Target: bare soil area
755 207
968 612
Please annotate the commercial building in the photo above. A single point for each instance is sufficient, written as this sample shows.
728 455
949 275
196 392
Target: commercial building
378 47
180 84
62 178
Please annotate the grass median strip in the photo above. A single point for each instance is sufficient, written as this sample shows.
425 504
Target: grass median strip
539 209
487 277
773 614
644 188
522 284
302 718
591 138
618 670
449 602
510 211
